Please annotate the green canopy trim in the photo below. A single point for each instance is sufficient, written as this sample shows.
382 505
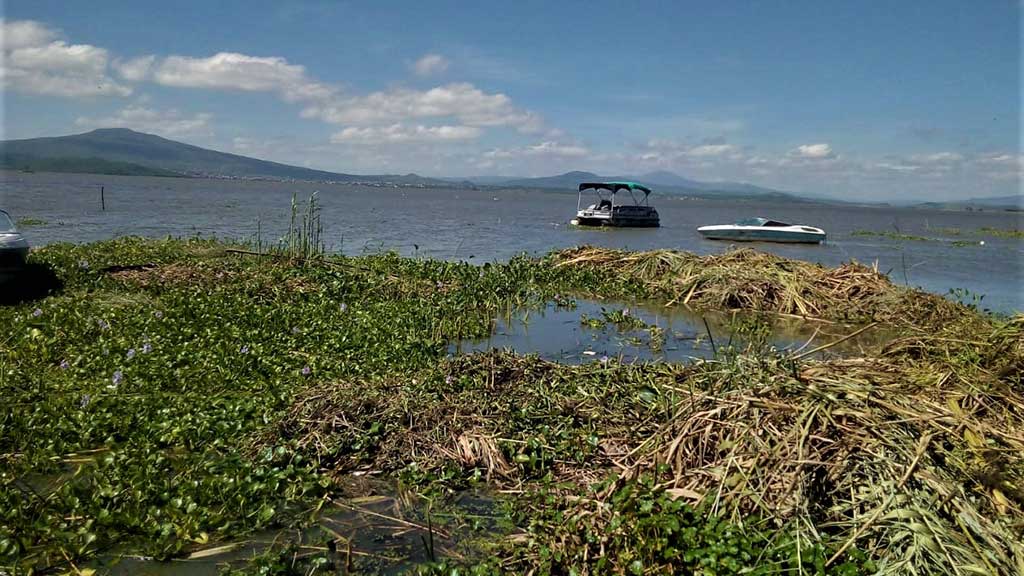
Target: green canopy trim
614 187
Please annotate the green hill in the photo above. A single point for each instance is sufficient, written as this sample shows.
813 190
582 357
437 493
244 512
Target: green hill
123 151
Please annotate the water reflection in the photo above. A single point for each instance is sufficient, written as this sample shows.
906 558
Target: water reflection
386 531
592 330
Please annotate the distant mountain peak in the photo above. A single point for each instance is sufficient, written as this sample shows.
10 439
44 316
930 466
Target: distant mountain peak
129 151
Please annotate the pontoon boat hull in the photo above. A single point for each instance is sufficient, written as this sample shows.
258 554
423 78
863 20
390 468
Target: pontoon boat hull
619 217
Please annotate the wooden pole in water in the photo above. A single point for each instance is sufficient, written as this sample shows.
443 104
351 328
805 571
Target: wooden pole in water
103 201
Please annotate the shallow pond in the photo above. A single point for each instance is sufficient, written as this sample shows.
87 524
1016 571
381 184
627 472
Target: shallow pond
578 331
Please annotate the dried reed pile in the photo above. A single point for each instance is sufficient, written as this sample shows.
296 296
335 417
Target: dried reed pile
751 280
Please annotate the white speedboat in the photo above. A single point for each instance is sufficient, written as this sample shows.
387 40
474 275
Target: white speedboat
13 247
608 212
763 230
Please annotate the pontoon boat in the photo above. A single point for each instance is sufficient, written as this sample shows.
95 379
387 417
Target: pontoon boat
607 212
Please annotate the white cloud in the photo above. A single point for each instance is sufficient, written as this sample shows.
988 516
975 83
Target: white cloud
712 150
398 133
430 64
1002 166
548 149
813 152
233 71
938 158
557 149
462 101
934 164
668 153
136 69
25 33
34 61
170 123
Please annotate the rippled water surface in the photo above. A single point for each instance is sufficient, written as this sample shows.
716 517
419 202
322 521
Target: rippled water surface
493 224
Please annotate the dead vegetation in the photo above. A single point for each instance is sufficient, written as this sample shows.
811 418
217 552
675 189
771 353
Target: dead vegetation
750 280
914 456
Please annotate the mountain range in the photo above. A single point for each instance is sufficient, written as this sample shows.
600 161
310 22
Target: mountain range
124 151
665 181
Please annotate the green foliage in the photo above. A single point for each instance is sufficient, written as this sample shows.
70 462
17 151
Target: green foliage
29 222
637 528
891 235
1001 232
966 297
173 396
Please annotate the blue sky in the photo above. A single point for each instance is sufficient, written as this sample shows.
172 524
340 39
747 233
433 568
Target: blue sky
873 100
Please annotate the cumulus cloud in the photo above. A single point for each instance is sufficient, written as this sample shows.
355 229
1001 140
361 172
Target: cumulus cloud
430 64
1001 166
135 69
938 158
663 152
36 61
547 149
463 101
170 123
712 150
1011 160
813 152
25 33
934 164
233 71
397 133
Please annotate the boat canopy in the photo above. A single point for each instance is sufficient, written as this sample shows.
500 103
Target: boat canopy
762 222
614 187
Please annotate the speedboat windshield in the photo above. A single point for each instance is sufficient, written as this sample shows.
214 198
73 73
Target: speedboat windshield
6 225
762 222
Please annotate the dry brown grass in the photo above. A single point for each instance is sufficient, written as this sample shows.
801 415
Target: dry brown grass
750 280
915 456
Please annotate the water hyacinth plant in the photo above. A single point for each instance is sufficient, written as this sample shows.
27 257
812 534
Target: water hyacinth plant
225 423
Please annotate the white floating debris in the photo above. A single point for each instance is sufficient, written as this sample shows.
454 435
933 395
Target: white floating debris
589 353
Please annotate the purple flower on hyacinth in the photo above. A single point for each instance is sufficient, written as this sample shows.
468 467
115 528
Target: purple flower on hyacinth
84 264
244 349
625 311
104 325
296 330
64 365
343 307
448 379
131 353
147 348
85 400
440 285
117 377
604 359
37 313
306 371
158 314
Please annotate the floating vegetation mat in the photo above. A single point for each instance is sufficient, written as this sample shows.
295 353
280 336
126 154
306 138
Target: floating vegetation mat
750 280
165 402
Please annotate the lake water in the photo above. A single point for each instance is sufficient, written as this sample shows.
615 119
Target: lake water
488 225
561 333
